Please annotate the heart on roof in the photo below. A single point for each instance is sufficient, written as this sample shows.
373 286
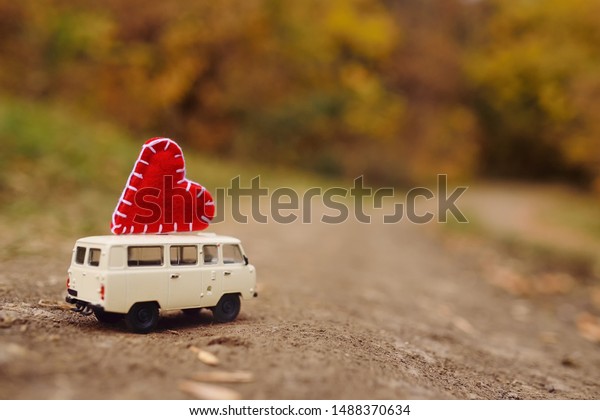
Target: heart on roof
158 198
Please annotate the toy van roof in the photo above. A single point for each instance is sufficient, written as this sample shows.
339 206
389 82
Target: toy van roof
164 239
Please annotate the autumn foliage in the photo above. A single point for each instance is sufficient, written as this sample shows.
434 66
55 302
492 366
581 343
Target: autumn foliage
398 91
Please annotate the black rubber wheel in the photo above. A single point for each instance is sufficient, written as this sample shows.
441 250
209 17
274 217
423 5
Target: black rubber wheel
227 309
142 317
107 317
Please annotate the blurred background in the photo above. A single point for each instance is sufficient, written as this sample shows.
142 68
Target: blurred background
395 91
500 95
398 91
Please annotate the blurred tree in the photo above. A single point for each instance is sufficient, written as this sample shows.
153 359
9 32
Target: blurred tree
333 108
441 130
535 79
399 91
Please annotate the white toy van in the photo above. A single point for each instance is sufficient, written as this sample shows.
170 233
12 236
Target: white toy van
135 276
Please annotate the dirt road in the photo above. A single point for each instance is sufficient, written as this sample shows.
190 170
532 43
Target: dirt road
347 311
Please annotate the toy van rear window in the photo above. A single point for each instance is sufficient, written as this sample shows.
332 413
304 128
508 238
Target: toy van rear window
184 255
94 258
144 256
232 254
80 255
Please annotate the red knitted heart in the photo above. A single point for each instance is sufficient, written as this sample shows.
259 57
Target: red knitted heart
158 198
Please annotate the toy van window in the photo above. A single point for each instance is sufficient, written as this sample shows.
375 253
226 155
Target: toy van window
184 255
232 254
211 254
80 255
144 256
94 258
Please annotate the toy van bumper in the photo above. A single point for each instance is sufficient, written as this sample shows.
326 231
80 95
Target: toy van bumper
248 294
82 303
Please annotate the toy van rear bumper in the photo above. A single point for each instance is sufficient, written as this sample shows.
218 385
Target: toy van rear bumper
74 301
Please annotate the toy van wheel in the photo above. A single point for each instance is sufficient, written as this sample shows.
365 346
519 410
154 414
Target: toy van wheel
107 317
227 308
142 317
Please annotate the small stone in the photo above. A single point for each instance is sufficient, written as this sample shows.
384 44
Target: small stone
224 377
205 356
569 360
208 391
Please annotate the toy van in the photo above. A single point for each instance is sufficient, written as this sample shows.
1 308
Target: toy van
136 276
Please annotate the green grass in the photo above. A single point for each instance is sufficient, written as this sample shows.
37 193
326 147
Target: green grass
49 149
573 212
576 211
61 174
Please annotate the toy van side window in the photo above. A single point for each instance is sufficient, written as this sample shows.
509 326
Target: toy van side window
232 254
184 255
211 254
144 256
80 255
94 257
